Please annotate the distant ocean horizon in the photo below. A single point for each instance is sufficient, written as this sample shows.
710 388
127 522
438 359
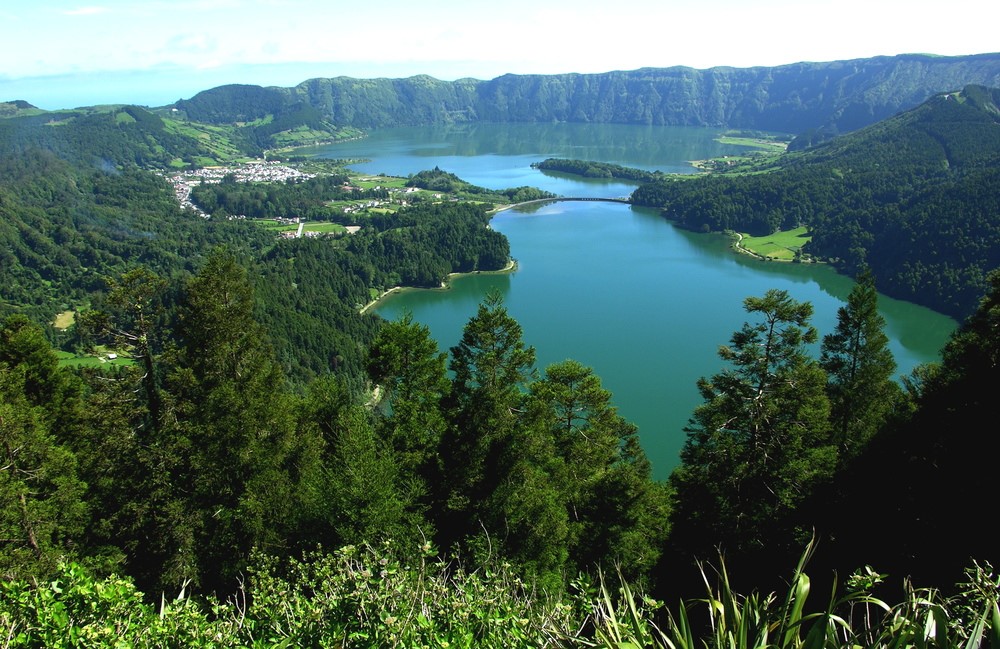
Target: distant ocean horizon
151 88
161 86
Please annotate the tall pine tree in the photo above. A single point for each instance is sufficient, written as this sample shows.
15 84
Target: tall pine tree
492 367
760 442
860 367
235 426
42 508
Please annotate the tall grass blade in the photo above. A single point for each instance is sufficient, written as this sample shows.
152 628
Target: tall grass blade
995 626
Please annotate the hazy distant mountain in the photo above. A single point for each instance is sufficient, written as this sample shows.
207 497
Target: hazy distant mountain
836 96
16 107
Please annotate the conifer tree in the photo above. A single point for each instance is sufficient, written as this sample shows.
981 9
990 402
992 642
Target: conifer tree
859 365
404 363
365 504
235 426
615 512
491 366
917 499
42 508
760 442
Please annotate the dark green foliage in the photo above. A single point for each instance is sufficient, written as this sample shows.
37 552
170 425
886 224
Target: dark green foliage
108 139
63 229
491 358
437 180
42 513
232 103
492 366
760 444
241 426
838 96
312 289
306 200
860 368
404 363
540 471
371 103
613 512
908 197
232 407
421 245
911 501
309 296
590 169
360 493
369 500
194 454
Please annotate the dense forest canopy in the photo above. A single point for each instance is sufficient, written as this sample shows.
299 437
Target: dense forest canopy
837 96
911 197
199 465
309 471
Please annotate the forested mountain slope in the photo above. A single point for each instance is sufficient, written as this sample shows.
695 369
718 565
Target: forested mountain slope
64 227
80 206
99 137
913 197
837 96
201 467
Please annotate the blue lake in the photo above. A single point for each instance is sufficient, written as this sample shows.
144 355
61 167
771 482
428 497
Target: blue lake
618 288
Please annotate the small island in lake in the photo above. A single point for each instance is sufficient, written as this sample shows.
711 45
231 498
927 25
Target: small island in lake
590 169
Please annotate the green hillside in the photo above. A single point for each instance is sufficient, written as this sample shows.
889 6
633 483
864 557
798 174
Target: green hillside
833 97
910 197
269 465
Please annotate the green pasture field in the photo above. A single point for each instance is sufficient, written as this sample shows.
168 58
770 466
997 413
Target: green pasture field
371 182
325 228
271 224
320 226
67 359
780 246
766 144
215 138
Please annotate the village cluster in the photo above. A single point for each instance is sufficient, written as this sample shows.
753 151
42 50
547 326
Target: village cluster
255 171
264 171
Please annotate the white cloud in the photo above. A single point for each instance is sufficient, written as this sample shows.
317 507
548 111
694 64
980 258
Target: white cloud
86 11
474 39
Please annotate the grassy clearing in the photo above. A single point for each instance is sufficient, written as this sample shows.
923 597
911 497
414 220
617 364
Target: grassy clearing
781 246
765 149
371 182
98 359
763 143
64 320
325 228
218 140
271 224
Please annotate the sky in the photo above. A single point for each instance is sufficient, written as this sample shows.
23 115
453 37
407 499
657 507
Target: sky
68 53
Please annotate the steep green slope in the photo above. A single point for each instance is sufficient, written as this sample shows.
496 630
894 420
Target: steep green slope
63 228
837 96
913 197
101 137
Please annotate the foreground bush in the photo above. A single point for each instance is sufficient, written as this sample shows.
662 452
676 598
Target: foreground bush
363 597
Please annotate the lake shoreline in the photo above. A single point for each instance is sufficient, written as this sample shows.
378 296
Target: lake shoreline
739 248
445 285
